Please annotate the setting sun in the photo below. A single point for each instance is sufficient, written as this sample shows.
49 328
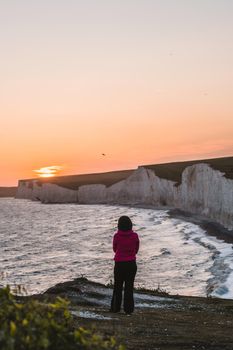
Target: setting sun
49 171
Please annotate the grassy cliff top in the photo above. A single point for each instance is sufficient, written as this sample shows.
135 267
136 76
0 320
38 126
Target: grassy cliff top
169 171
173 171
75 181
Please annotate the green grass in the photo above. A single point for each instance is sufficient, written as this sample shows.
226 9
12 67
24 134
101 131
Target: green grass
28 324
169 171
75 181
173 171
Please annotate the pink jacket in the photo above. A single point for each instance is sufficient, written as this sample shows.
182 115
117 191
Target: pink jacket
125 245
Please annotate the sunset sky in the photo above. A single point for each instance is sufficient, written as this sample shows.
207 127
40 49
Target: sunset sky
142 81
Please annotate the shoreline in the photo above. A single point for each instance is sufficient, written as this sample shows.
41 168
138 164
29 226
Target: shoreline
212 228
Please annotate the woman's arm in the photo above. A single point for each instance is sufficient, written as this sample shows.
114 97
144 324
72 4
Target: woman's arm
114 244
137 245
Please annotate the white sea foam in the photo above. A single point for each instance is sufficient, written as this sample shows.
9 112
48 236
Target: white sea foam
89 314
42 245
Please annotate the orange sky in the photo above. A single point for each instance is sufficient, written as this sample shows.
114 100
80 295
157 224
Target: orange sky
141 81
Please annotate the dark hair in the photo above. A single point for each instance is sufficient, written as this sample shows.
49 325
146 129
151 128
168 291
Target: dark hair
124 223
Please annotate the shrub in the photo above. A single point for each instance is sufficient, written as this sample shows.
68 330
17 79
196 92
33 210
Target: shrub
33 325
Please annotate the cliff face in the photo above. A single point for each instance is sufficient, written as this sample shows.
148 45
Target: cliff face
8 191
206 191
202 190
46 193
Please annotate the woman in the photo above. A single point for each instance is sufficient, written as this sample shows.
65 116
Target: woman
125 247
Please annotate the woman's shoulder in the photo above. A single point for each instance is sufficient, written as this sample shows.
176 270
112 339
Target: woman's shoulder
135 234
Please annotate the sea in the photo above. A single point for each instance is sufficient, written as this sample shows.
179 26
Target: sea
44 244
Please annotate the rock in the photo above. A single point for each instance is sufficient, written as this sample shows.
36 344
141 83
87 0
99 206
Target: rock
203 191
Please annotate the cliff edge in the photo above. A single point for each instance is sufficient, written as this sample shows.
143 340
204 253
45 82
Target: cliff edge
203 187
160 321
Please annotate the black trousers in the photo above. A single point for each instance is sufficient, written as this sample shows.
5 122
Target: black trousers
124 274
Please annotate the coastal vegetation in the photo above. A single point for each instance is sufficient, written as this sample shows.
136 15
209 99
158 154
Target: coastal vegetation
173 171
29 324
75 181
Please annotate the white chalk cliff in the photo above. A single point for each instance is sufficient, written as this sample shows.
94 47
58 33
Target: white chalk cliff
203 191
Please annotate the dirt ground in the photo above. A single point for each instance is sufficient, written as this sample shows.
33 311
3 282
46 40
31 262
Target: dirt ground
167 329
160 322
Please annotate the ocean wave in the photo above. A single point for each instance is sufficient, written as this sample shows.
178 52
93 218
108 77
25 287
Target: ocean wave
43 245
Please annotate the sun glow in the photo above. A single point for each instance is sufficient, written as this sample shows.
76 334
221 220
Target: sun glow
49 171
